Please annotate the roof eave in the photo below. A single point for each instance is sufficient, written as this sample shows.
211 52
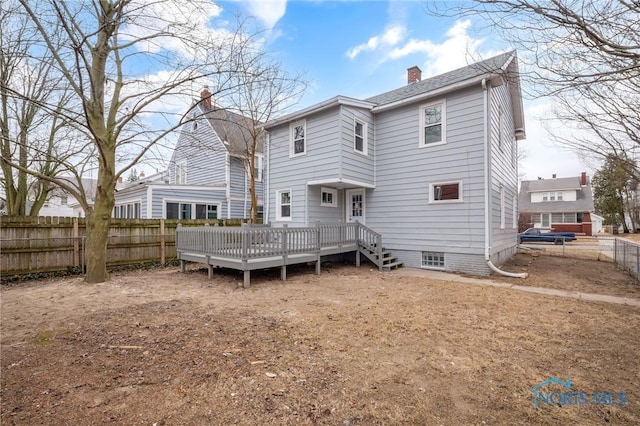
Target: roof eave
329 103
433 93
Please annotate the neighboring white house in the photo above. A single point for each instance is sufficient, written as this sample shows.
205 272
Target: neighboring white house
206 178
62 203
431 166
559 204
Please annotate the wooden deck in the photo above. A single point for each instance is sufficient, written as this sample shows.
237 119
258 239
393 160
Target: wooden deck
249 248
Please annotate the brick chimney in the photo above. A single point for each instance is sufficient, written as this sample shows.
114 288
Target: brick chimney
583 179
414 74
205 97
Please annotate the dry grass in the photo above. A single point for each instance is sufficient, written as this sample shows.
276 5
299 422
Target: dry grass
352 346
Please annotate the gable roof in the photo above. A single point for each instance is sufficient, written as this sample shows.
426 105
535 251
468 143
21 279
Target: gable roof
232 129
496 64
556 184
583 202
496 69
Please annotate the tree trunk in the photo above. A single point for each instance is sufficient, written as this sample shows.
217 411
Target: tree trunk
98 224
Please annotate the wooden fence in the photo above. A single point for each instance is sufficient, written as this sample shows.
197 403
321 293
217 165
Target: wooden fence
50 244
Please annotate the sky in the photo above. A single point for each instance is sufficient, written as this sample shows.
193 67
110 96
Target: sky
363 48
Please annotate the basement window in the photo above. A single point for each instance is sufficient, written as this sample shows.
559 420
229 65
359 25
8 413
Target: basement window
433 259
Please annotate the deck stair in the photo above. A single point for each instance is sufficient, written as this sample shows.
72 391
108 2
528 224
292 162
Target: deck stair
389 261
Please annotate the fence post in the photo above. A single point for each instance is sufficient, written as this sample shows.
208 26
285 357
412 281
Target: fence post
76 243
163 248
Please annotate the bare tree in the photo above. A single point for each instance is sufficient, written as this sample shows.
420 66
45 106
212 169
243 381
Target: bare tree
30 136
583 54
265 90
126 61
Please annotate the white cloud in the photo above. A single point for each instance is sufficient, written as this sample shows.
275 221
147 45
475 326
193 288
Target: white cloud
269 12
457 49
392 36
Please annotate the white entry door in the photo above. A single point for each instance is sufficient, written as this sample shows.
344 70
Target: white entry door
355 205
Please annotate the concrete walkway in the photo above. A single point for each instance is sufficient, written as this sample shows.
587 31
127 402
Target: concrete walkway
444 276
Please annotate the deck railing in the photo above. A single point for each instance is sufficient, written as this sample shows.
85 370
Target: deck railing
259 242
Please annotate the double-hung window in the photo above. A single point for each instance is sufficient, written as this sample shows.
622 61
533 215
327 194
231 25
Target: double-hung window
298 138
329 197
433 124
360 137
283 201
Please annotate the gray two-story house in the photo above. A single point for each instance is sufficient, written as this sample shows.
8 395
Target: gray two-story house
207 175
432 166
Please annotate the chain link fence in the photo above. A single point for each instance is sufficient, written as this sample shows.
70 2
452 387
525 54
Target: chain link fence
627 256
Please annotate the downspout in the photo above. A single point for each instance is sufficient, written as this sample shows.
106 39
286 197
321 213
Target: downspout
487 190
227 173
265 189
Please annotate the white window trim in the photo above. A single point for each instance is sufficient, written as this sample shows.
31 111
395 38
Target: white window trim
422 143
292 126
331 191
125 204
181 169
364 136
259 164
279 206
193 206
503 209
431 192
437 268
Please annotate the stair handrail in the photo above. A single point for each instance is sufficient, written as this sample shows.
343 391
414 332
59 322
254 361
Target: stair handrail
370 240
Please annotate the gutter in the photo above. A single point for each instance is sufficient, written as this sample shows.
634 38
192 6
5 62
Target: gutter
487 189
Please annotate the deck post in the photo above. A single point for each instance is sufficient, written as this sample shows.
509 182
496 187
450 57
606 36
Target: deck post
209 267
285 248
319 247
358 257
182 266
245 257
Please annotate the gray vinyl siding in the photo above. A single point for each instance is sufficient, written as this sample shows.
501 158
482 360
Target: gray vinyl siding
354 165
318 213
188 195
504 172
238 209
239 184
137 195
399 206
204 153
467 263
321 161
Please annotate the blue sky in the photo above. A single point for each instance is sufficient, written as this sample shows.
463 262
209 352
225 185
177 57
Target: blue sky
362 48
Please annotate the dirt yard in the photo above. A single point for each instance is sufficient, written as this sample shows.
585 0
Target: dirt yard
352 346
